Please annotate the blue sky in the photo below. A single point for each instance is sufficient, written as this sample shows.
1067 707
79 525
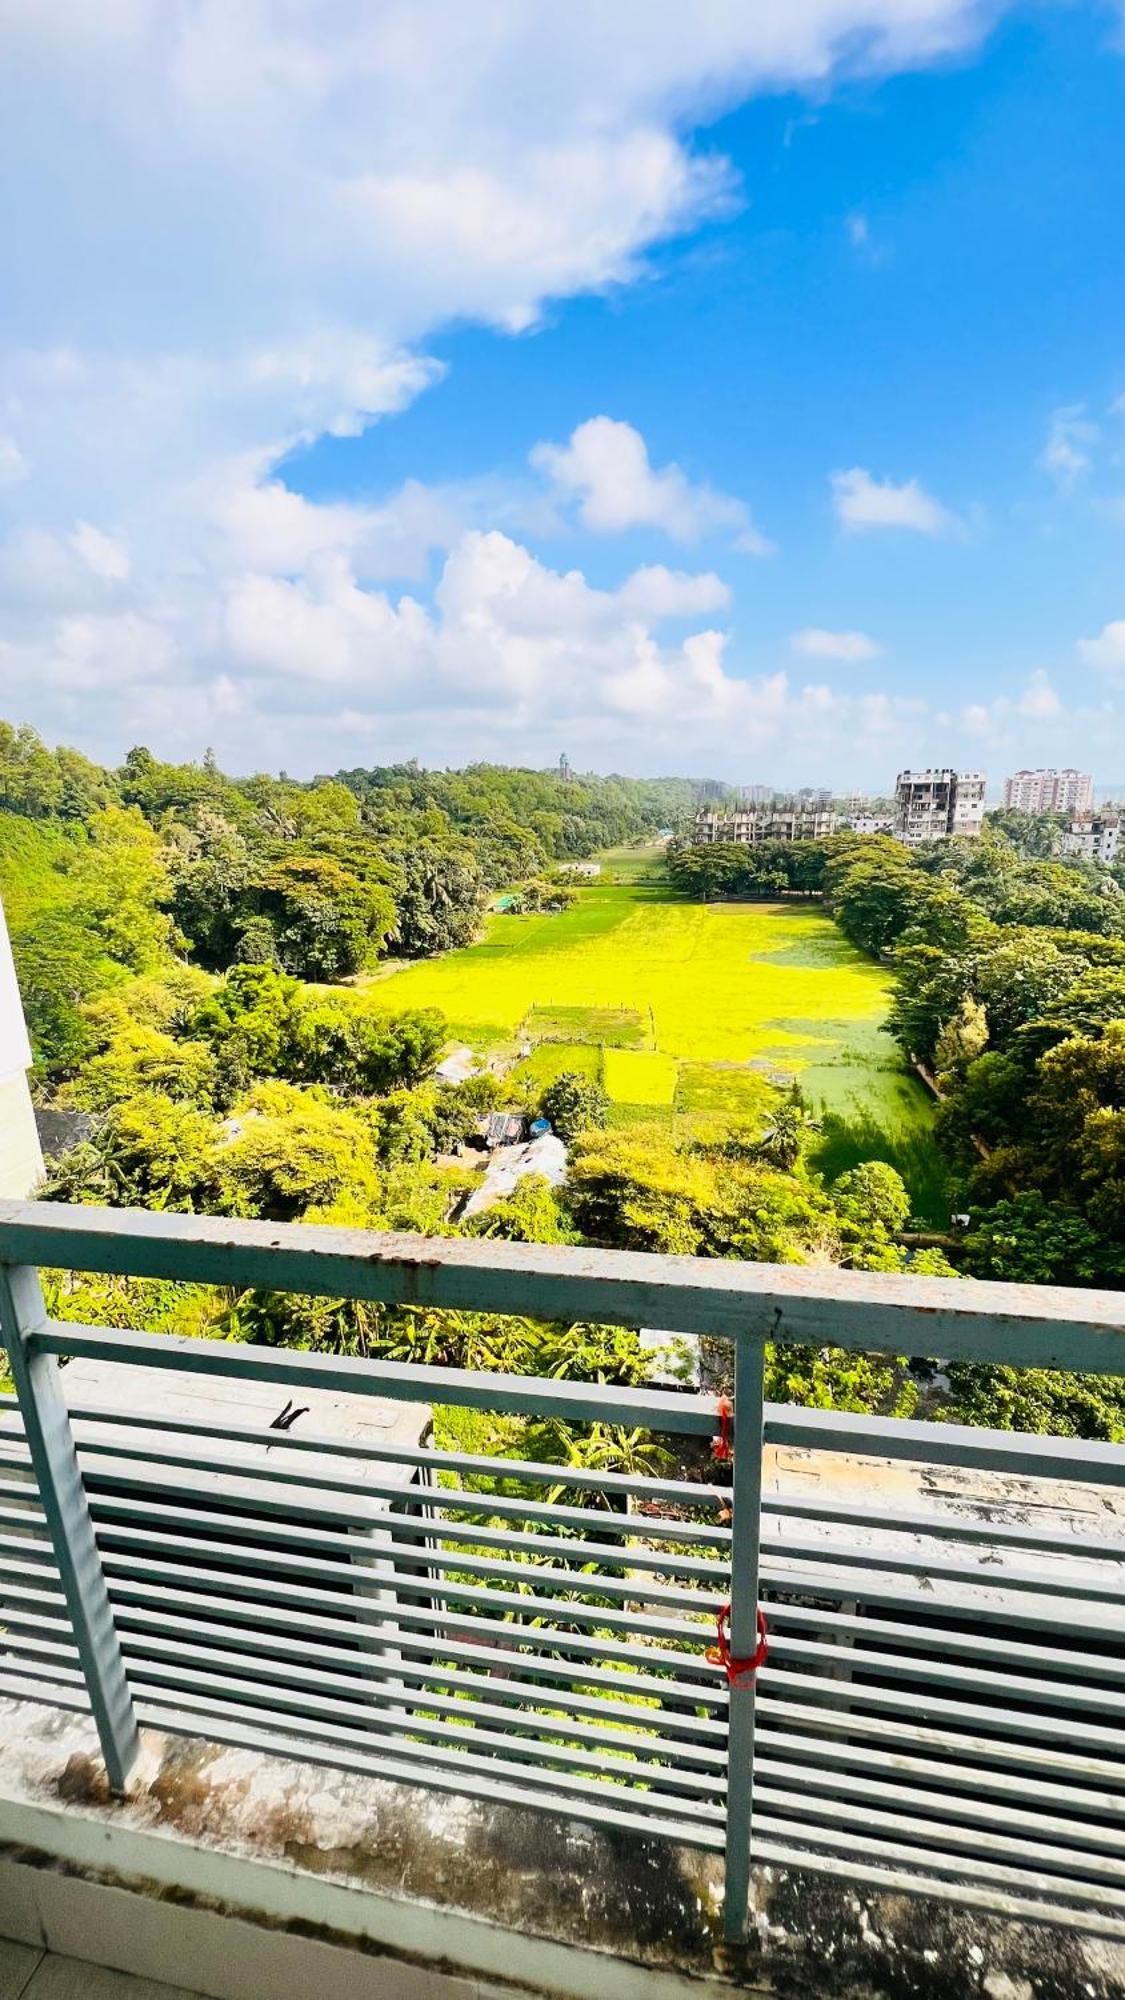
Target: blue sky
742 395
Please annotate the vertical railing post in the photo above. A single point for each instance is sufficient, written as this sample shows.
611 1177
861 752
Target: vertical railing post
749 1371
54 1461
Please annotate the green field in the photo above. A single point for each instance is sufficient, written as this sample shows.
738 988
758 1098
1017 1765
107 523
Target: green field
692 1007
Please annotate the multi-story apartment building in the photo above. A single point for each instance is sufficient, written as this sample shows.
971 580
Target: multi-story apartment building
869 822
935 804
751 824
1096 838
1043 791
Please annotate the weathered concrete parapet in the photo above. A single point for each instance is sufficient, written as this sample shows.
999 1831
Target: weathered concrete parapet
484 1898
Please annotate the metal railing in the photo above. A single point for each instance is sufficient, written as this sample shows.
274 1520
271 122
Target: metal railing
943 1706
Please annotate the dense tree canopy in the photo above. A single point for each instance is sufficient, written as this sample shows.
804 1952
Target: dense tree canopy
190 948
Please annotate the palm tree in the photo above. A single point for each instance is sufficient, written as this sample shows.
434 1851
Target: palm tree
780 1143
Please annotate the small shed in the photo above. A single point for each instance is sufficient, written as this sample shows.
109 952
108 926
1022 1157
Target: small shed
511 1164
457 1065
504 1128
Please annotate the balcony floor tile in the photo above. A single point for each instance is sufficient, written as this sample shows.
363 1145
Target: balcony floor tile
17 1963
53 1978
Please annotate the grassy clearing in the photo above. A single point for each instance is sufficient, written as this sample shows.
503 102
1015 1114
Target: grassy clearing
728 997
906 1144
609 1027
623 1117
711 1097
640 1076
702 976
633 864
553 1059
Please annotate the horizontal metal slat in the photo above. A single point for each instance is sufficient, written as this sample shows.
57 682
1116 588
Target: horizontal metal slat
829 1755
278 1520
48 1672
779 1853
1042 1582
17 1617
970 1601
617 1485
958 1809
561 1611
26 1549
37 1646
662 1411
955 1644
1024 1453
589 1661
486 1727
278 1547
48 1690
849 1843
960 1843
939 1674
360 1676
954 1527
451 1750
913 1702
775 1711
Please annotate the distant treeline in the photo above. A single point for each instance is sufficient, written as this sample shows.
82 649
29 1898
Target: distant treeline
150 861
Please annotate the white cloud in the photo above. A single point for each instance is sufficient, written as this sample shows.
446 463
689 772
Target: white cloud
1107 651
818 644
655 592
239 227
605 468
1039 702
863 502
1011 720
510 658
104 555
13 464
505 631
1067 454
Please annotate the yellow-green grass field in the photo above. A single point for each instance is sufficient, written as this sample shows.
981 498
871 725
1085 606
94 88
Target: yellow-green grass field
689 1010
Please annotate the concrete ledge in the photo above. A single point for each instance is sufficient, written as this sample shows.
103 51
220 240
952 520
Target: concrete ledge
255 1878
178 1901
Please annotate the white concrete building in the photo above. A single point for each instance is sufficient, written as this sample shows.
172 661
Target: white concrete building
1049 790
1097 838
937 803
867 822
21 1161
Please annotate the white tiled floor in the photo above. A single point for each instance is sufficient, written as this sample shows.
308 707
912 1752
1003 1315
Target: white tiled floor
27 1974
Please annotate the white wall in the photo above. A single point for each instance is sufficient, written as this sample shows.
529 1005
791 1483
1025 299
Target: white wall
21 1162
15 1050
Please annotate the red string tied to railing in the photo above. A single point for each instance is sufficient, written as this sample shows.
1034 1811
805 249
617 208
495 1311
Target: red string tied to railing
722 1447
739 1673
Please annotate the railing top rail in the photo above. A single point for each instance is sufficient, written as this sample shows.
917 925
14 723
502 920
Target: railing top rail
405 1381
1042 1326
